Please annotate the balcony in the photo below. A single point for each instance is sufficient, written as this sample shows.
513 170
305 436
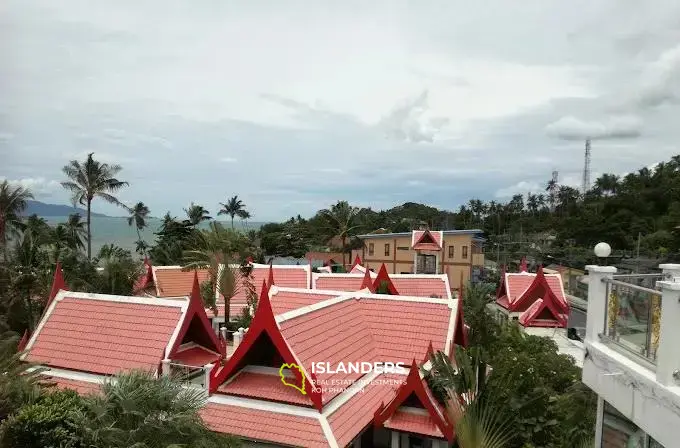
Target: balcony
632 342
633 315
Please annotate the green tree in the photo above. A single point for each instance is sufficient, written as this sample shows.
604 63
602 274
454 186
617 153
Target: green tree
233 207
119 271
138 216
341 221
196 214
75 231
18 382
12 203
54 420
139 410
89 180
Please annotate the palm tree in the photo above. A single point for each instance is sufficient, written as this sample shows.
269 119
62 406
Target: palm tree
551 187
341 222
135 409
214 250
197 214
233 207
245 216
89 180
75 232
138 215
12 203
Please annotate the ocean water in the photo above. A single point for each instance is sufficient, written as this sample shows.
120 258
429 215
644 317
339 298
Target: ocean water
107 230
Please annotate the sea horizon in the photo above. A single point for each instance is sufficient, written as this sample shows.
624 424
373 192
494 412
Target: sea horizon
115 230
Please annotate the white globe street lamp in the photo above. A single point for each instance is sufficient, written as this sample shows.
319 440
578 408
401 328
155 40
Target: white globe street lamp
602 250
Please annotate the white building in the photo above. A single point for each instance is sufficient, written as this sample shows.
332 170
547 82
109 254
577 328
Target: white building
632 358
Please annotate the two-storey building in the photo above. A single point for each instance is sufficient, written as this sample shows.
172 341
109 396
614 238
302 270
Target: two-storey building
457 253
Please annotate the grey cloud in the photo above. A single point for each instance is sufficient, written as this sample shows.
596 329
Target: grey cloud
409 121
572 128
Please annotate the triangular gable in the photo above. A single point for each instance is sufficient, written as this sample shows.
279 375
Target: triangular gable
357 262
539 284
196 320
58 283
367 282
415 385
540 313
426 241
264 323
383 276
146 279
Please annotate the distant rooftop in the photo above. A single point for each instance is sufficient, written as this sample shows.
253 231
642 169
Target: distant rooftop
446 232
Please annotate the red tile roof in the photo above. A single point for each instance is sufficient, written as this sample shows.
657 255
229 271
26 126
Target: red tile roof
195 356
82 387
416 285
284 300
265 425
357 412
287 276
58 284
104 334
415 423
517 283
145 280
171 281
333 334
266 386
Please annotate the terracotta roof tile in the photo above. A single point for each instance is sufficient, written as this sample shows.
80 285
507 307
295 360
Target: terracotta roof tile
195 356
266 426
104 336
333 334
415 423
171 281
82 387
407 284
517 283
284 301
264 386
435 245
357 412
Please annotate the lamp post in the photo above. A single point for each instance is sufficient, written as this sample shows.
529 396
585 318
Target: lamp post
602 250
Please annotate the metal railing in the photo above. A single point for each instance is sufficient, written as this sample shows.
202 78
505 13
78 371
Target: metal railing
194 375
633 316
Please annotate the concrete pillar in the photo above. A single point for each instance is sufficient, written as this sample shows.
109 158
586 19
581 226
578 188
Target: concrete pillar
206 376
223 330
597 300
395 440
668 353
599 420
165 367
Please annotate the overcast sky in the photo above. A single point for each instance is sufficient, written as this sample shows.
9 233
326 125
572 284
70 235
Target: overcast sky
294 105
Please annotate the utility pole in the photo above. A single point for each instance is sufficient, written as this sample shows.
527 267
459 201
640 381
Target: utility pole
586 170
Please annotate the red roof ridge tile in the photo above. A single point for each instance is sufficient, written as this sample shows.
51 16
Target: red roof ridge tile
367 282
58 284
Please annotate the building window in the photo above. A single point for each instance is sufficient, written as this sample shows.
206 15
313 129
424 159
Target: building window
618 431
371 248
465 250
403 248
452 251
426 264
387 249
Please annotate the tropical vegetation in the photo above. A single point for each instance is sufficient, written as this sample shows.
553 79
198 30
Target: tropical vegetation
234 207
89 180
